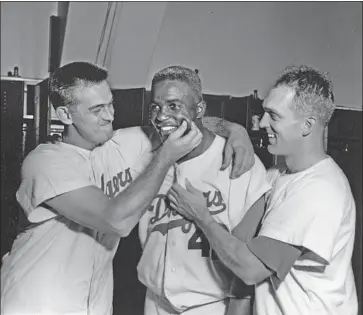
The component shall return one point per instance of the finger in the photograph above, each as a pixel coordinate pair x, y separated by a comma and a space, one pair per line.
174, 204
172, 201
172, 198
172, 194
238, 162
227, 156
176, 189
247, 161
173, 207
180, 131
193, 134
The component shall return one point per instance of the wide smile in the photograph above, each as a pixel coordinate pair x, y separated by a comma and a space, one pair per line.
167, 129
271, 138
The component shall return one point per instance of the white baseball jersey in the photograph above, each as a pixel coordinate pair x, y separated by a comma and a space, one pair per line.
313, 209
60, 267
178, 266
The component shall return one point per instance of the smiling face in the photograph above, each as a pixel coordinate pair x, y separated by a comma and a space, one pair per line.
172, 102
283, 126
93, 113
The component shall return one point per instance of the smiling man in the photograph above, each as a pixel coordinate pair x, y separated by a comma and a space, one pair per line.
300, 261
62, 262
181, 272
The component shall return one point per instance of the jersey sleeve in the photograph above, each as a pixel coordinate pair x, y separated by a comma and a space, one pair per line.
250, 187
47, 175
309, 216
275, 255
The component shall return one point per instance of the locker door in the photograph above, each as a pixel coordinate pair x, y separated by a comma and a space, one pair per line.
12, 100
235, 110
215, 104
129, 105
42, 113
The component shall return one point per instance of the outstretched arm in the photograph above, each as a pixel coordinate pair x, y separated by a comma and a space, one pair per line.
90, 207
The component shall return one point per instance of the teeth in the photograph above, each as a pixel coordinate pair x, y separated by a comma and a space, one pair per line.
167, 128
271, 135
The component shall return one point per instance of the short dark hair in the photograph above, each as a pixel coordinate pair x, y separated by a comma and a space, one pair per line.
313, 91
180, 73
65, 79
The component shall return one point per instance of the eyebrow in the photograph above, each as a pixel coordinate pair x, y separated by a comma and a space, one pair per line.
174, 100
100, 105
271, 111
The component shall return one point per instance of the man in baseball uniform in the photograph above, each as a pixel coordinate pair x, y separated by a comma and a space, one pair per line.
180, 270
300, 262
78, 204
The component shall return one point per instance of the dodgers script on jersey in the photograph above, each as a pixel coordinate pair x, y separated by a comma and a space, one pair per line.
178, 266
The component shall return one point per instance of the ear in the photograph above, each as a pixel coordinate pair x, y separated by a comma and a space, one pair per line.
201, 107
64, 115
308, 125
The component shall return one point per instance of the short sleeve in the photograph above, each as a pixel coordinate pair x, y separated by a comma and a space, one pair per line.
276, 255
252, 185
46, 175
309, 216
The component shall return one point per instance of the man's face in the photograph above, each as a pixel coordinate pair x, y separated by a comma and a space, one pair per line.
172, 102
282, 125
93, 114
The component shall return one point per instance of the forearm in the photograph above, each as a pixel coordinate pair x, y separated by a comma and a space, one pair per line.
128, 207
220, 126
234, 253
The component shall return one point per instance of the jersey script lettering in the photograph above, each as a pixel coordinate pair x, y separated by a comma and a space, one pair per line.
112, 187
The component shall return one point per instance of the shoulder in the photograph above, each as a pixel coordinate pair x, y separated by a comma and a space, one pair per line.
321, 191
132, 136
42, 156
325, 178
51, 158
125, 134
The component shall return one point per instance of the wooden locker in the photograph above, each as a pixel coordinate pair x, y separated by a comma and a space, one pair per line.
12, 100
235, 110
215, 104
128, 104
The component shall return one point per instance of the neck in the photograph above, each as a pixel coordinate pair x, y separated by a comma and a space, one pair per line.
207, 140
71, 136
309, 154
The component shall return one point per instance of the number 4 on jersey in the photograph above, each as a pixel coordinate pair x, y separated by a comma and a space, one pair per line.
199, 241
